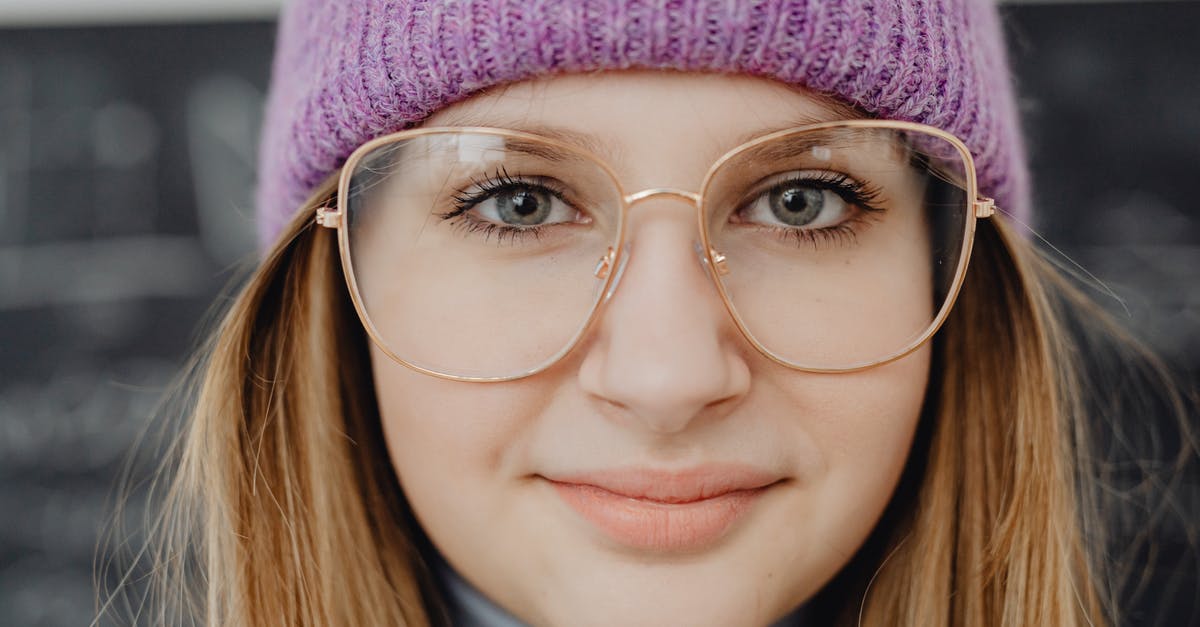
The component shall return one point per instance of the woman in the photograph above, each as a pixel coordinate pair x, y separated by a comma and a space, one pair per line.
611, 312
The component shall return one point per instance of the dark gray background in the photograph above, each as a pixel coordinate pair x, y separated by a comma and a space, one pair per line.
126, 169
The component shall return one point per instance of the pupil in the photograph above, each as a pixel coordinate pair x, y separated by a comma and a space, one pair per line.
796, 206
524, 203
523, 207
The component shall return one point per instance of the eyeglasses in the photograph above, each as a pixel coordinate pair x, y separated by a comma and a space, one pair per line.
483, 254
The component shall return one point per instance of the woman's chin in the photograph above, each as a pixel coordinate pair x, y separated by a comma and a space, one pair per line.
670, 604
700, 592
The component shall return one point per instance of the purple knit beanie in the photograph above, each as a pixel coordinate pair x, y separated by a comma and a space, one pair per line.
346, 71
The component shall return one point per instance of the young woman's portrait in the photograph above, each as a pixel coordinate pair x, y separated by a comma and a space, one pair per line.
616, 312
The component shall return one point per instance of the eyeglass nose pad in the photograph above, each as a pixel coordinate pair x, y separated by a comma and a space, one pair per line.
718, 260
606, 265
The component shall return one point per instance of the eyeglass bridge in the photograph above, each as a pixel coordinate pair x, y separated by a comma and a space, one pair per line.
605, 264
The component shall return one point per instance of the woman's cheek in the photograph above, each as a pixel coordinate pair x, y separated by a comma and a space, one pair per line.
461, 451
453, 439
862, 426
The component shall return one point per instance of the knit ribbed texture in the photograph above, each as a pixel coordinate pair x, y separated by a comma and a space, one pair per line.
349, 70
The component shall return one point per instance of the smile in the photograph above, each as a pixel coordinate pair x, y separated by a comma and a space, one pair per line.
665, 512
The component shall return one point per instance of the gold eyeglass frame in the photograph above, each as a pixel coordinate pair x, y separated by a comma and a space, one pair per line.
337, 217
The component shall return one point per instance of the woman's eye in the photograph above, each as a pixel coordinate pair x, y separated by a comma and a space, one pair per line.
524, 206
798, 205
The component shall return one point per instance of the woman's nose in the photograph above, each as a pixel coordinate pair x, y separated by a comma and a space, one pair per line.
664, 352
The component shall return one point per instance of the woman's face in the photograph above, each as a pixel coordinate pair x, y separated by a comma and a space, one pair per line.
664, 472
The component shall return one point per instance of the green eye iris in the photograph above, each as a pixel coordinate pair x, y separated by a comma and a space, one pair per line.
797, 206
523, 206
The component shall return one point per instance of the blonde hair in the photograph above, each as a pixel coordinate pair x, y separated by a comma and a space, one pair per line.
283, 507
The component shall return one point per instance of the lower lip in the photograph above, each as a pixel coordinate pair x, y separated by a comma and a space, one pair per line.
656, 526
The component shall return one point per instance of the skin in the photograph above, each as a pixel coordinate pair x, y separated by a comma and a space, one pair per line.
662, 380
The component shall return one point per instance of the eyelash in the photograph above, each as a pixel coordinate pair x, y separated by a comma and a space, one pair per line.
483, 189
854, 192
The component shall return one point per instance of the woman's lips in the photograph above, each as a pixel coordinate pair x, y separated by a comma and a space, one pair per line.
665, 511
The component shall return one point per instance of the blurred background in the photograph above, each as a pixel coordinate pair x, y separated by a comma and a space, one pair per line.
127, 143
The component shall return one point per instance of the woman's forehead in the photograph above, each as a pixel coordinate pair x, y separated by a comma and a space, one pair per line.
619, 115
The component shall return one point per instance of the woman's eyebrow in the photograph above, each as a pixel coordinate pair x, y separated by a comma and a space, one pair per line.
830, 112
589, 142
827, 143
606, 150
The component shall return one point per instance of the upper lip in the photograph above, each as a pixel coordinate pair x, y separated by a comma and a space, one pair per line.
674, 486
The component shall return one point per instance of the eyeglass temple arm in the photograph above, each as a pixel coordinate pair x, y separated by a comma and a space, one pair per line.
329, 217
984, 207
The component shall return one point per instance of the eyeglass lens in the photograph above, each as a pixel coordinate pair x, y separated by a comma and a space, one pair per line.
478, 254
